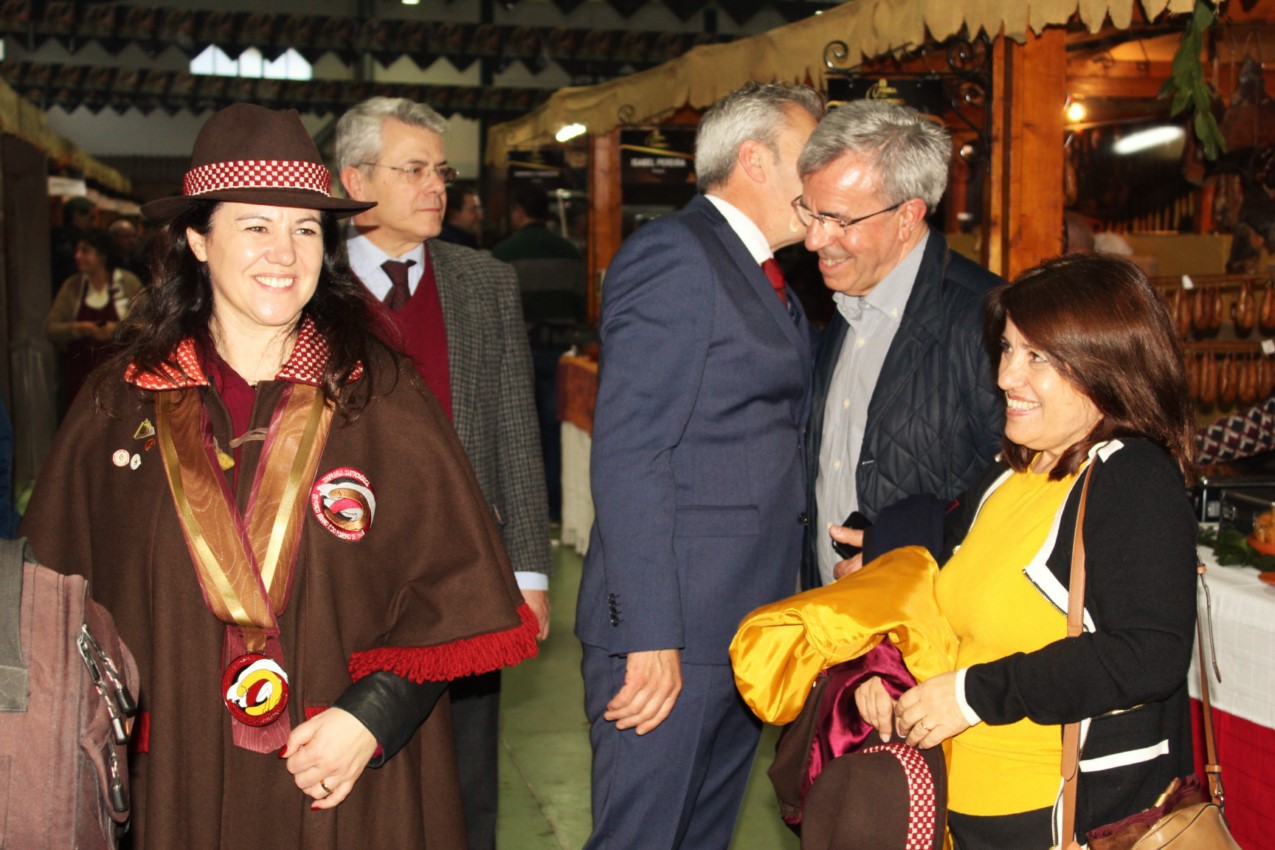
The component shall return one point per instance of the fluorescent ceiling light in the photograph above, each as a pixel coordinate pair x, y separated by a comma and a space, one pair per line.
1150, 138
570, 131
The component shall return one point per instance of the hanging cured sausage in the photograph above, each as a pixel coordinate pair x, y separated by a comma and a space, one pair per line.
1182, 312
1228, 381
1248, 381
1266, 314
1244, 314
1208, 381
1215, 311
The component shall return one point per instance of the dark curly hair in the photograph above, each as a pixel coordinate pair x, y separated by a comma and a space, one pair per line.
1109, 334
179, 304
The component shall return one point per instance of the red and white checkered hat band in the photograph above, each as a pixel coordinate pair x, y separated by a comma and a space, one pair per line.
258, 174
922, 798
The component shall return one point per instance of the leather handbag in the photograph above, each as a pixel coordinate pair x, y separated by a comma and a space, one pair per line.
1185, 817
66, 698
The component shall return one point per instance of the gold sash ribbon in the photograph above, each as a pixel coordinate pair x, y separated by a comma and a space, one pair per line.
244, 563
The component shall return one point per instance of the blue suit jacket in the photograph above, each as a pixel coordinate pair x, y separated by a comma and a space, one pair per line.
697, 469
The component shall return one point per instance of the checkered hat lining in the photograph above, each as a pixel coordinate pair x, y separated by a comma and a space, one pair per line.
922, 798
258, 174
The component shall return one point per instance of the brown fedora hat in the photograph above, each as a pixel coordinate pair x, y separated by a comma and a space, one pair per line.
255, 155
883, 796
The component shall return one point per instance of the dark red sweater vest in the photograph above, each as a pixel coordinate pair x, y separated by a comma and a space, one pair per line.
424, 336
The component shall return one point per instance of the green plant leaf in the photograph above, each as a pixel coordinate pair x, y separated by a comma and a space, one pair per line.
1231, 549
1181, 100
1186, 81
1203, 16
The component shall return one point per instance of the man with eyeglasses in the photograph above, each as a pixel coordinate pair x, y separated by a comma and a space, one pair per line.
457, 314
698, 480
905, 404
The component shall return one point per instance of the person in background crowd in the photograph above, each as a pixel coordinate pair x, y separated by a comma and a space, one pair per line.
254, 450
532, 239
1093, 382
87, 309
697, 479
552, 280
77, 216
463, 217
902, 402
456, 311
126, 249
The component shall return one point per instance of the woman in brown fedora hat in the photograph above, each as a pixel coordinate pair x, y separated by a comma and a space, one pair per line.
282, 522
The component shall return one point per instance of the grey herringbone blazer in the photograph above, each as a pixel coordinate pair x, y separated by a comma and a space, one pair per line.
492, 395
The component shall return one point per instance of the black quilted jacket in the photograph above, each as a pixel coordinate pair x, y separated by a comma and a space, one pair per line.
936, 418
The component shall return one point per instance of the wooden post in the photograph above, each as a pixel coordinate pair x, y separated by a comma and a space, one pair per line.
1025, 191
957, 196
1204, 198
605, 212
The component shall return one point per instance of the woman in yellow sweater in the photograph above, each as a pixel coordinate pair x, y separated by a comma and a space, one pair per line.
1094, 386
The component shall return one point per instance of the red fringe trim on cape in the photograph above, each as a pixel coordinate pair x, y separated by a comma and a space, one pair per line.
465, 657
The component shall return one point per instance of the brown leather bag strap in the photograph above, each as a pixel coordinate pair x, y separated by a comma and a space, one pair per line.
1071, 731
1212, 767
1075, 625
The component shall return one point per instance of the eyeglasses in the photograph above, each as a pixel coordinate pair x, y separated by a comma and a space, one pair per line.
415, 174
807, 216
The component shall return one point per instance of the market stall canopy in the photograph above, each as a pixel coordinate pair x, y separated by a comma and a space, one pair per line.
795, 53
22, 118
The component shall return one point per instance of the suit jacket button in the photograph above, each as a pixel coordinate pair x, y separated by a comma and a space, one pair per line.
803, 518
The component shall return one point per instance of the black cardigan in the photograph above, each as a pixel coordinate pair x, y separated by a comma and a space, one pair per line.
1127, 674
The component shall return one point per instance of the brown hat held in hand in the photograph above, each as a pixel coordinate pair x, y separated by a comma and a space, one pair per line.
881, 796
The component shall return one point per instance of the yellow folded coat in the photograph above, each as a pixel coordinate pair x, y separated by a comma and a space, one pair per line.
780, 649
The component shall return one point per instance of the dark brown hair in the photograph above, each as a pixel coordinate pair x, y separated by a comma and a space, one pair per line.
1108, 333
100, 242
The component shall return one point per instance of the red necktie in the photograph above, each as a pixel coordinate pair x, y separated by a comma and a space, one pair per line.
776, 278
400, 293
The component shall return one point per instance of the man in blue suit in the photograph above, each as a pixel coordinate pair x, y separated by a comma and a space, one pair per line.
698, 479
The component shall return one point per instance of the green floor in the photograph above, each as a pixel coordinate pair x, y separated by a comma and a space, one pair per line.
544, 768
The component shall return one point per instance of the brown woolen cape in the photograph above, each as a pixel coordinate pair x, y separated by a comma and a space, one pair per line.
428, 591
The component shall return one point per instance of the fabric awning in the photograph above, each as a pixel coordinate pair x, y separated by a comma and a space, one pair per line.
794, 53
22, 118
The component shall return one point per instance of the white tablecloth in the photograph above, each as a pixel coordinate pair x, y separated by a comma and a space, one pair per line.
577, 500
1243, 716
1244, 632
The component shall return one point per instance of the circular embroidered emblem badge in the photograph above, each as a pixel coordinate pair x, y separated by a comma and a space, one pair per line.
344, 503
255, 689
